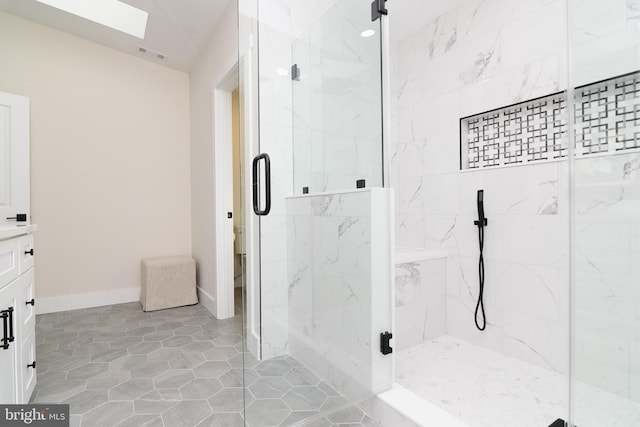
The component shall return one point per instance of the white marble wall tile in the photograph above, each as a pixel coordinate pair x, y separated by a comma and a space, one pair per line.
536, 240
591, 320
531, 80
442, 152
593, 19
530, 190
460, 324
524, 40
410, 230
439, 194
602, 361
466, 239
612, 55
420, 302
536, 340
608, 184
531, 290
410, 86
408, 158
435, 115
331, 295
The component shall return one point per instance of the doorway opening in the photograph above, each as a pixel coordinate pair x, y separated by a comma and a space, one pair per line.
239, 228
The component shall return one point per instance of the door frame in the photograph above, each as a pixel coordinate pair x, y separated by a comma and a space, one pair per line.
223, 189
221, 93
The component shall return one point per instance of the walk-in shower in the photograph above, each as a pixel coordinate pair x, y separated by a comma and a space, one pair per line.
391, 141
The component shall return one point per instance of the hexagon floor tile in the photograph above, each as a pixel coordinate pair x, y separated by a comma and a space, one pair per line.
117, 365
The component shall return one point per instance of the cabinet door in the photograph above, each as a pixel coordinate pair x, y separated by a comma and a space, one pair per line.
8, 261
8, 357
28, 368
26, 314
14, 157
26, 252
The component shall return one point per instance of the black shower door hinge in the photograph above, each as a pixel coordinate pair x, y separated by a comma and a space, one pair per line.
378, 8
559, 423
295, 72
385, 347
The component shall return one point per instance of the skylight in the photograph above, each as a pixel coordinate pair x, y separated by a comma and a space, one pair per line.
111, 13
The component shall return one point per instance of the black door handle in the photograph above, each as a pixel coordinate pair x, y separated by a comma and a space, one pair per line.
31, 302
29, 252
267, 185
32, 365
11, 337
5, 323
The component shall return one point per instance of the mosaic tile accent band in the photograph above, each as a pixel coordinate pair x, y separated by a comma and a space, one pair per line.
607, 120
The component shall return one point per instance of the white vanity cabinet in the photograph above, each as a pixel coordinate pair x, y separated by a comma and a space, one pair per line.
17, 315
17, 286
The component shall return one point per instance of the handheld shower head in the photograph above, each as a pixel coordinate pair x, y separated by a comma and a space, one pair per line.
482, 221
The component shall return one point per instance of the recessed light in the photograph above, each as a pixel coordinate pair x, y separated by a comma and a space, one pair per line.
367, 33
111, 13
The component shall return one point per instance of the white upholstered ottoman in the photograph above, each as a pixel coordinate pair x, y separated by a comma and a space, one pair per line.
168, 282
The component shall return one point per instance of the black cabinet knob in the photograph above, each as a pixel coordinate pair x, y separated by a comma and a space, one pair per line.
29, 252
31, 302
32, 365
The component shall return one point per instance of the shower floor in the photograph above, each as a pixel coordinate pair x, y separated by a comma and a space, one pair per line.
485, 388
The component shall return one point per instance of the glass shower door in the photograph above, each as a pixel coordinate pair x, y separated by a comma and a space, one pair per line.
319, 280
606, 215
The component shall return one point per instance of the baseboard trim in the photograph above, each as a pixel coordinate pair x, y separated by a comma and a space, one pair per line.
207, 301
86, 300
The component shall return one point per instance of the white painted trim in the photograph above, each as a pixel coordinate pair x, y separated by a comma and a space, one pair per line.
223, 194
223, 188
207, 301
87, 300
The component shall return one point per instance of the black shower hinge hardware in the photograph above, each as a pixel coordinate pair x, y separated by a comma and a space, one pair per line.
295, 72
385, 348
19, 217
378, 8
560, 423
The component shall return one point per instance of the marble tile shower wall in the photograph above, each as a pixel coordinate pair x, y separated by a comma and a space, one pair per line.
421, 302
339, 275
607, 295
606, 37
480, 56
336, 106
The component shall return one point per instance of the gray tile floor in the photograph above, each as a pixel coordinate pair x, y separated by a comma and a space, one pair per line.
119, 366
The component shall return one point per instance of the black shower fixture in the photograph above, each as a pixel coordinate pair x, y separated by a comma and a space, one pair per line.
481, 222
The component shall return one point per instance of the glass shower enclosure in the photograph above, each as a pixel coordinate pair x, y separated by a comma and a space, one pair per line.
319, 274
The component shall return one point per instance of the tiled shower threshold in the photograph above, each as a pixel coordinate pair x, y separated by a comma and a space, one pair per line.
485, 388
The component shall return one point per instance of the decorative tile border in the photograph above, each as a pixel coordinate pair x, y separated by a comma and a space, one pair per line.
607, 120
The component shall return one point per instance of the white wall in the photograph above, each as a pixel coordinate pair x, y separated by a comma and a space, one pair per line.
212, 66
109, 158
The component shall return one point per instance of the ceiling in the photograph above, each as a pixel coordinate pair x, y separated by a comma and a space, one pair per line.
178, 29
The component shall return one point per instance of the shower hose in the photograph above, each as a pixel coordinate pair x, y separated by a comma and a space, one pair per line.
480, 304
